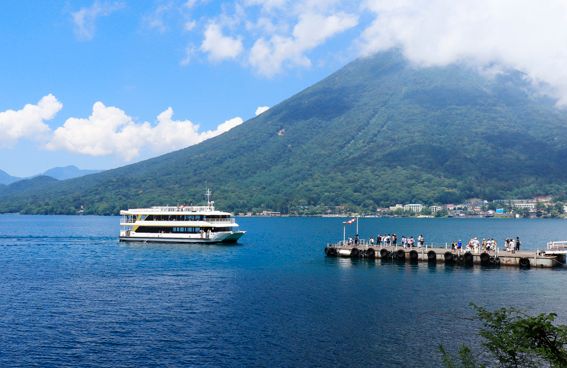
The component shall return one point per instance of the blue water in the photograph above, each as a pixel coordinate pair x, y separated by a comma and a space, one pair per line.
71, 295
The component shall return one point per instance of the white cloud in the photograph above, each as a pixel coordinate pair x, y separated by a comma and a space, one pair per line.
269, 56
190, 51
84, 19
189, 4
110, 131
159, 18
267, 5
189, 25
521, 34
218, 46
261, 109
28, 122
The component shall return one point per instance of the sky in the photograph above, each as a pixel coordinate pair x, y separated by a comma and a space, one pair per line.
104, 83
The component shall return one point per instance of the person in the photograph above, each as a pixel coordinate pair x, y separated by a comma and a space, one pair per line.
379, 240
420, 240
518, 243
453, 246
356, 239
411, 242
404, 241
394, 240
459, 245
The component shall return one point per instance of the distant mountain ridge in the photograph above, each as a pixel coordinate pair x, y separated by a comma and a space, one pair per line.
6, 178
59, 173
68, 172
377, 132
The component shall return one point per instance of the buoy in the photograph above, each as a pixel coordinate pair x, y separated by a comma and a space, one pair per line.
468, 259
449, 257
485, 259
401, 254
524, 263
354, 253
413, 256
384, 253
370, 253
431, 256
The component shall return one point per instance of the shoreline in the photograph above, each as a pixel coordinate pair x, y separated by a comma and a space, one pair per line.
342, 216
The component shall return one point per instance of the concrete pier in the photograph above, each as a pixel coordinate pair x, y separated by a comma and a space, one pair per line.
437, 254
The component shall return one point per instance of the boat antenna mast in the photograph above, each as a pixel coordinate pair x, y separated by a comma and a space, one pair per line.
209, 202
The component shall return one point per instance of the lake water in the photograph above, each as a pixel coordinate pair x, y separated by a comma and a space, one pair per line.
71, 295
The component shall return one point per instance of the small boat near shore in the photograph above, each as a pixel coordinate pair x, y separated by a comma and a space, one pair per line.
179, 224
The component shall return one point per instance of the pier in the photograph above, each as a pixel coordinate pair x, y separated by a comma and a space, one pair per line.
434, 254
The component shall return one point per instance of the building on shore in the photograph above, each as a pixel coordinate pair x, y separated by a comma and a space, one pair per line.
413, 207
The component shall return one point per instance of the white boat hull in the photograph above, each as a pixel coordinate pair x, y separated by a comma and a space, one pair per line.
225, 237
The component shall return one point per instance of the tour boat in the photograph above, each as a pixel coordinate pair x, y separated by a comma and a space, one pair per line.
179, 224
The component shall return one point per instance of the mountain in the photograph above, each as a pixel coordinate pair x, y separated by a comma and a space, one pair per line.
68, 172
377, 132
36, 184
59, 173
6, 178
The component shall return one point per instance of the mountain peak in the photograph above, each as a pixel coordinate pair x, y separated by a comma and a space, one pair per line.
377, 132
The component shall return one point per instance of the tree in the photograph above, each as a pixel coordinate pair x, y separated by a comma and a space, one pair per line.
516, 339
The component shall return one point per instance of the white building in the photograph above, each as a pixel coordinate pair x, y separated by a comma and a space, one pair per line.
414, 207
525, 205
435, 209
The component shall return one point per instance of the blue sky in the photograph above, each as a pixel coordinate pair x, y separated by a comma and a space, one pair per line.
141, 57
104, 83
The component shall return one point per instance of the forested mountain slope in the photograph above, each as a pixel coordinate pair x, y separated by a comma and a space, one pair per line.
377, 132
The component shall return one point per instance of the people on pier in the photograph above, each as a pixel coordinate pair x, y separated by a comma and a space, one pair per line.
511, 244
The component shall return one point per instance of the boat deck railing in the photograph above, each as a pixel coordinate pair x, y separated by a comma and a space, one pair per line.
183, 208
133, 220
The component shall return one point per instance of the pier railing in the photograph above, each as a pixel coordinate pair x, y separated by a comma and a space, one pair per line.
367, 243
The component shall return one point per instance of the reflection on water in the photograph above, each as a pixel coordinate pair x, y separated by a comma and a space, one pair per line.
72, 295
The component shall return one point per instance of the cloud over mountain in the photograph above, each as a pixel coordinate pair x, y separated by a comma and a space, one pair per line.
525, 35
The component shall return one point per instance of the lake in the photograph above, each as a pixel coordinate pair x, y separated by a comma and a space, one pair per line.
71, 295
